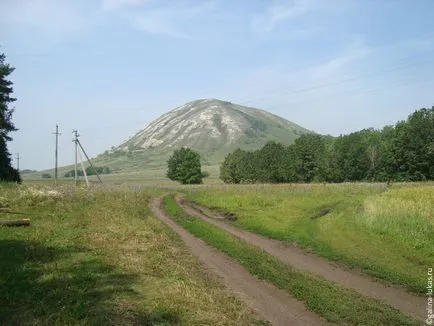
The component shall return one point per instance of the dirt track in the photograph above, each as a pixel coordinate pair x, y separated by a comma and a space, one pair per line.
396, 297
268, 301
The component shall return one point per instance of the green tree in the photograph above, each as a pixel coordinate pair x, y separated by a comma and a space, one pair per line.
232, 168
412, 145
98, 169
271, 162
328, 169
71, 173
184, 166
290, 165
404, 152
387, 163
310, 150
7, 172
358, 155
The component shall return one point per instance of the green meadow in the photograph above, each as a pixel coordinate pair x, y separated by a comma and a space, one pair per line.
386, 232
99, 257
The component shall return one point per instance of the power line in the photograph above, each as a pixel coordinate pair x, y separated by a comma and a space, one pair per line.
359, 91
377, 73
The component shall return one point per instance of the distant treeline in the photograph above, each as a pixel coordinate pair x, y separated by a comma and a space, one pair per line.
403, 152
89, 171
27, 171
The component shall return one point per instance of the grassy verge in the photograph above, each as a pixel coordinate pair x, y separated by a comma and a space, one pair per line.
388, 234
333, 302
98, 257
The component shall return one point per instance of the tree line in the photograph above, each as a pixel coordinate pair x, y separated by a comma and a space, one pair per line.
403, 152
89, 171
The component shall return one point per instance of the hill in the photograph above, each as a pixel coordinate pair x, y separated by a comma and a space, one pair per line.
212, 127
209, 126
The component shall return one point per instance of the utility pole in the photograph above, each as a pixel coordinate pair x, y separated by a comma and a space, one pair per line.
56, 150
83, 168
90, 163
18, 161
79, 147
75, 140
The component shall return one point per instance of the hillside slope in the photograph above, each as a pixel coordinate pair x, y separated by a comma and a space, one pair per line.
209, 126
212, 127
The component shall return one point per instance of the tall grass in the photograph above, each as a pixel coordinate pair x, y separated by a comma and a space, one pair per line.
405, 214
388, 234
336, 304
98, 257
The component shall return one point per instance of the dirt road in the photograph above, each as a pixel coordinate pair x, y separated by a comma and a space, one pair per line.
396, 297
268, 301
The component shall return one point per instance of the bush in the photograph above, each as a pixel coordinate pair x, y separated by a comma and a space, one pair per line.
89, 171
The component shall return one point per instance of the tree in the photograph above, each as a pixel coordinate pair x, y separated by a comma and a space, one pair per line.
232, 169
71, 173
310, 150
290, 165
184, 166
412, 146
89, 171
404, 152
97, 169
387, 162
271, 162
7, 172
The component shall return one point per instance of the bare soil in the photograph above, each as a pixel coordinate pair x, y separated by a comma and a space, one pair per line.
394, 296
268, 301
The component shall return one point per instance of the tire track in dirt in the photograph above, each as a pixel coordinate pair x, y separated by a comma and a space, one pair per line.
396, 297
268, 301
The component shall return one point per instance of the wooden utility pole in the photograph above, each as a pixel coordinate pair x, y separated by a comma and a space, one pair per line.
56, 151
90, 163
83, 168
78, 147
75, 140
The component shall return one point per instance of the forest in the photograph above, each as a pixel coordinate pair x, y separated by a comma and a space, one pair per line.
402, 152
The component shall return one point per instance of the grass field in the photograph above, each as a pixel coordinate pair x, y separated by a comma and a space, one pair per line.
146, 176
335, 303
149, 178
98, 257
388, 233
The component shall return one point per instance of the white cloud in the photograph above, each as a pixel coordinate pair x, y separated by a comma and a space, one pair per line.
43, 23
168, 21
342, 93
158, 22
311, 95
281, 11
48, 16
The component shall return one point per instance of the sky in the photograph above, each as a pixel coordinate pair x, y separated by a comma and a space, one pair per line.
109, 67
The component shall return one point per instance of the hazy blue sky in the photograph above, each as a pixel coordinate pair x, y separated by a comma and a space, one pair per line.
108, 67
